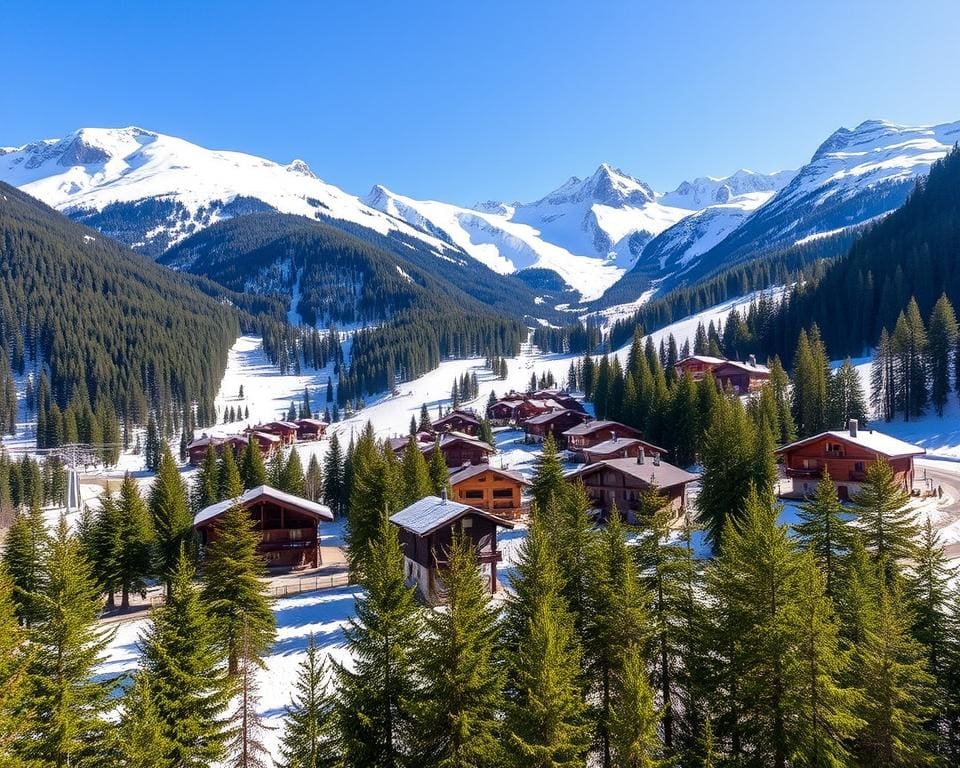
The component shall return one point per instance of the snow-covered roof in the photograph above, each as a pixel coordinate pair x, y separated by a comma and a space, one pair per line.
452, 437
465, 415
312, 422
748, 367
546, 418
431, 512
707, 359
590, 427
612, 446
663, 475
260, 492
870, 439
475, 469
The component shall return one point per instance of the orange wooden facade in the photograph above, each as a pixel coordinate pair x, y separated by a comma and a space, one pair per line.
495, 491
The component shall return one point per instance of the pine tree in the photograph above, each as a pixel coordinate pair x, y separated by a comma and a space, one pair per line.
13, 678
292, 480
135, 538
425, 424
313, 480
232, 591
172, 521
780, 388
823, 531
635, 742
486, 432
462, 695
882, 384
24, 552
896, 690
252, 469
333, 475
153, 450
881, 507
439, 473
942, 341
309, 735
415, 473
275, 468
245, 747
141, 742
183, 671
206, 485
548, 481
546, 718
847, 400
67, 702
231, 484
374, 698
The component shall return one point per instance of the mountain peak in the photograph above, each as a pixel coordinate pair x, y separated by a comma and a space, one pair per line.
607, 185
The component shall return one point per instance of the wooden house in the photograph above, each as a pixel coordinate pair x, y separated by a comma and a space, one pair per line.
285, 430
697, 366
497, 491
288, 525
267, 443
504, 411
742, 378
310, 429
459, 449
845, 454
623, 481
426, 532
554, 423
463, 421
620, 448
591, 433
197, 449
560, 398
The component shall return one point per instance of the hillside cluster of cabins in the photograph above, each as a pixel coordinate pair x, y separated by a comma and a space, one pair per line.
270, 437
618, 467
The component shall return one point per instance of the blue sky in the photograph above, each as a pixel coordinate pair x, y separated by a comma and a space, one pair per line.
473, 101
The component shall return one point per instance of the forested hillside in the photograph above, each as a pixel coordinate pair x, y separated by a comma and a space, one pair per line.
111, 330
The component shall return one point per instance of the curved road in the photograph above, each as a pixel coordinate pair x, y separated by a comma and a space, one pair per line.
945, 474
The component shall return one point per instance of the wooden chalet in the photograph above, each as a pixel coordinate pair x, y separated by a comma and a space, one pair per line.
561, 398
426, 532
197, 450
463, 421
310, 429
497, 491
504, 411
623, 481
288, 525
555, 423
285, 430
742, 378
459, 449
620, 448
845, 454
591, 433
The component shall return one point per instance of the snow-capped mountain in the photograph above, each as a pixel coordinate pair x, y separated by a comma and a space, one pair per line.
150, 190
742, 185
854, 176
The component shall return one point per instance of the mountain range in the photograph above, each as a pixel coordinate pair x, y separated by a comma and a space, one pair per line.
590, 235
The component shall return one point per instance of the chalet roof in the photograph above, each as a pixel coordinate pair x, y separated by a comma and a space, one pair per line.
871, 440
453, 437
205, 441
265, 435
706, 359
611, 446
663, 475
247, 498
431, 512
590, 427
747, 367
465, 415
546, 418
280, 424
311, 422
477, 469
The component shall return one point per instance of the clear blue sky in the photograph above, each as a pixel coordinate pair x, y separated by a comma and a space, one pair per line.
472, 101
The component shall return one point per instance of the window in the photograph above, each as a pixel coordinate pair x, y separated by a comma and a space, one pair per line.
858, 466
294, 534
466, 522
473, 494
503, 493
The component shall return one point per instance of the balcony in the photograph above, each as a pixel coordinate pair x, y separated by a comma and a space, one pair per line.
804, 472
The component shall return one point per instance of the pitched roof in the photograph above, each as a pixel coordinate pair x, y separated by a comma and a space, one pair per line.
871, 440
590, 427
431, 512
708, 359
311, 422
748, 367
264, 491
546, 418
452, 437
476, 469
611, 446
664, 475
465, 415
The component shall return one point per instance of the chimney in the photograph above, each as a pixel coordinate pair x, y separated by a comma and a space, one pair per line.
640, 456
443, 495
656, 458
613, 436
852, 425
752, 361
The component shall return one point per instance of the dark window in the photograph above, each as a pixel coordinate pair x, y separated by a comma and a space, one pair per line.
503, 493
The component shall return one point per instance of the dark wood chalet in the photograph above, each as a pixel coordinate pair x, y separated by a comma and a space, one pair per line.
197, 450
426, 531
310, 429
555, 423
288, 525
623, 481
465, 422
285, 430
497, 491
740, 377
845, 454
591, 433
620, 448
561, 398
458, 449
697, 366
